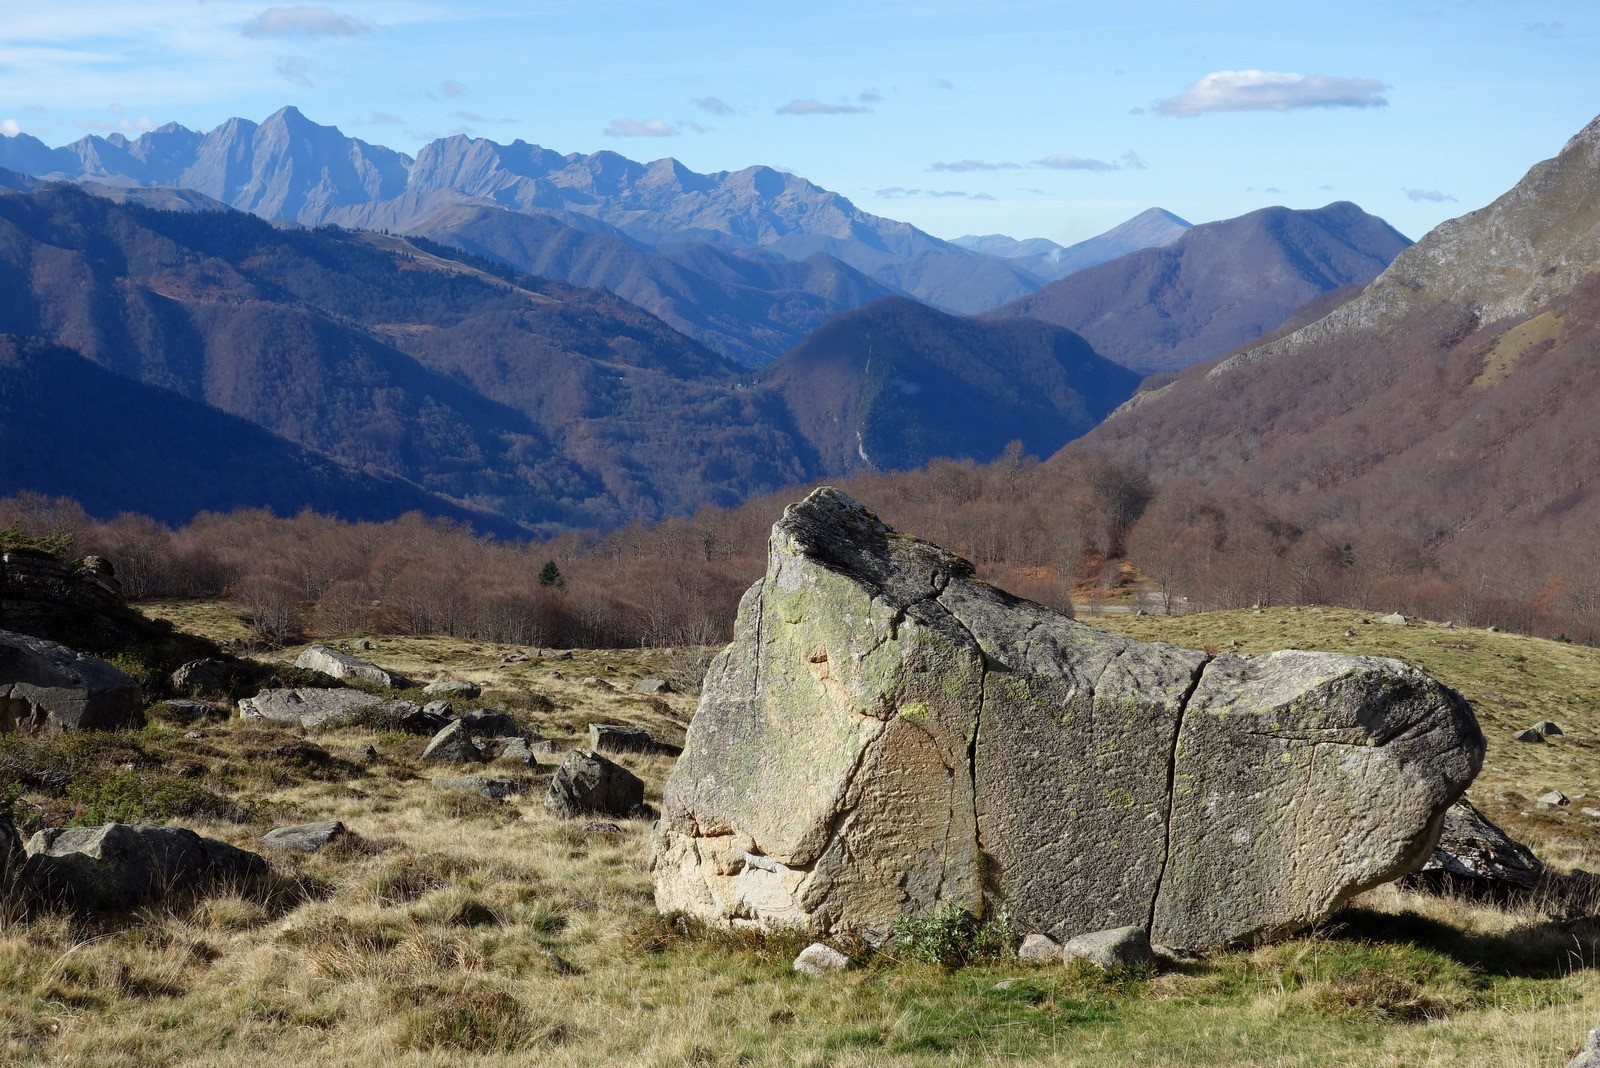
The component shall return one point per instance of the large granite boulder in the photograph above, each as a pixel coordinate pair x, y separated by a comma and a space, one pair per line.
344, 666
587, 784
888, 736
45, 687
118, 866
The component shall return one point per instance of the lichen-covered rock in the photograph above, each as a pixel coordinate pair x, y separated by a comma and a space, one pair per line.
118, 866
452, 688
620, 738
304, 837
482, 785
818, 959
587, 784
309, 707
202, 676
344, 666
887, 736
46, 687
453, 743
1038, 947
1122, 947
1477, 858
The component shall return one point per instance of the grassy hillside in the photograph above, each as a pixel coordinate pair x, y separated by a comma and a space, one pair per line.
450, 931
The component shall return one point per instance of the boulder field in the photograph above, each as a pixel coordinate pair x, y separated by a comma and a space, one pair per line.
888, 736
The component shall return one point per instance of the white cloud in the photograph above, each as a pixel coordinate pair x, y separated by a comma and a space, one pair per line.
962, 166
1432, 196
10, 127
303, 20
817, 107
640, 128
296, 70
1262, 90
896, 192
1129, 161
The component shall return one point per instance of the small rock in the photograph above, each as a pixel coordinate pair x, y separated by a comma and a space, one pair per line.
1039, 947
1589, 1056
516, 751
424, 719
818, 959
1492, 630
453, 743
1528, 735
1553, 799
1176, 954
561, 966
600, 827
452, 688
1548, 729
1348, 633
489, 723
371, 753
1394, 619
1117, 947
493, 789
1004, 984
1592, 813
594, 683
193, 711
304, 837
554, 675
1448, 625
652, 684
344, 666
620, 738
545, 745
565, 654
192, 735
441, 709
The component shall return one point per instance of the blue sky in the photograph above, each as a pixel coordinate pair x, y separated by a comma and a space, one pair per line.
1052, 119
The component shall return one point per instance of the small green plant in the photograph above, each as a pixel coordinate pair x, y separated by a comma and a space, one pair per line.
953, 937
57, 545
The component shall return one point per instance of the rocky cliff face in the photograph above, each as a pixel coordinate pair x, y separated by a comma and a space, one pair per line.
887, 736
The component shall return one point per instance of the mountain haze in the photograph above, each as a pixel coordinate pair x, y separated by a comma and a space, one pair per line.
1151, 228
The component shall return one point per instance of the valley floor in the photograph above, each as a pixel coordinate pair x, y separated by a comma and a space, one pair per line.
450, 930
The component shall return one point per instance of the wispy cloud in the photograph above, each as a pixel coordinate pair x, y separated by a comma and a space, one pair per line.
1552, 30
117, 120
652, 128
383, 118
1128, 161
296, 70
713, 105
896, 192
817, 107
452, 90
871, 96
944, 83
470, 116
304, 20
1262, 90
1431, 196
962, 166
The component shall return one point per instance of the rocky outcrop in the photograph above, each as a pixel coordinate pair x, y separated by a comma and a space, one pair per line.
887, 736
309, 707
48, 687
118, 866
42, 596
448, 688
351, 668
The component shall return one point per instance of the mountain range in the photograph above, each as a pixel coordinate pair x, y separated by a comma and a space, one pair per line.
1452, 399
1151, 228
1214, 288
482, 389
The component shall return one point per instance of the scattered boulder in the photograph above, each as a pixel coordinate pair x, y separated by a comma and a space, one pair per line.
545, 745
308, 707
595, 683
1548, 729
818, 959
1529, 734
184, 711
303, 837
344, 666
412, 718
1394, 619
587, 784
45, 687
455, 744
620, 738
466, 691
1477, 859
489, 723
202, 676
1039, 947
1120, 947
118, 866
516, 751
599, 827
1553, 799
440, 709
886, 736
651, 684
483, 785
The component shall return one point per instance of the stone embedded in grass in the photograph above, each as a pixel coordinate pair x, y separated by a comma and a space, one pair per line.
599, 827
344, 666
1548, 729
1529, 735
1394, 619
308, 707
1120, 947
516, 751
652, 684
453, 688
818, 959
304, 837
489, 723
203, 676
483, 785
1553, 799
587, 784
453, 743
117, 866
1039, 947
185, 711
620, 738
48, 687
